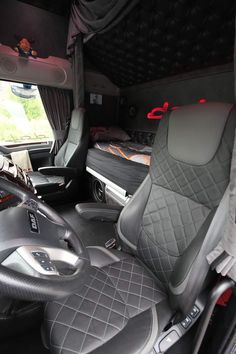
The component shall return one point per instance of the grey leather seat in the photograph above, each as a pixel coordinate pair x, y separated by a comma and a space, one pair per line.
69, 161
130, 296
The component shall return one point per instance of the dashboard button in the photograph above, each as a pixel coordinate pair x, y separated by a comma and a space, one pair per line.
48, 268
186, 322
195, 311
43, 261
38, 254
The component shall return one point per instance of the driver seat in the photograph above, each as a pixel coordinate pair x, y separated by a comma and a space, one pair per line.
130, 296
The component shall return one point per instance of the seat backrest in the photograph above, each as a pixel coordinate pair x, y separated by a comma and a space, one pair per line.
166, 221
73, 151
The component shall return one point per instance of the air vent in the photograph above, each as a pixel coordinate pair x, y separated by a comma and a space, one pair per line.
7, 65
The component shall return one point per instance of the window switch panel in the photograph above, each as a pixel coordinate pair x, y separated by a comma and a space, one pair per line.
186, 322
195, 311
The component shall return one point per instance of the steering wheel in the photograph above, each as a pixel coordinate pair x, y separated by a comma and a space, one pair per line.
41, 257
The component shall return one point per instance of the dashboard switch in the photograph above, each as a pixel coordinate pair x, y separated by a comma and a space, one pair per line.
49, 268
42, 261
38, 254
186, 322
195, 311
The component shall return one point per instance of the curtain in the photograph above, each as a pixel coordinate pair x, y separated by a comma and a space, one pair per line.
57, 105
95, 16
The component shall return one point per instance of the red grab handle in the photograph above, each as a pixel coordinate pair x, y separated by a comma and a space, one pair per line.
157, 112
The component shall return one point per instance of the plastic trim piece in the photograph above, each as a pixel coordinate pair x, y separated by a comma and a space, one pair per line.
216, 292
179, 329
154, 332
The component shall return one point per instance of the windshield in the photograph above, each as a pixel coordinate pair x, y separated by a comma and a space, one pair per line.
22, 116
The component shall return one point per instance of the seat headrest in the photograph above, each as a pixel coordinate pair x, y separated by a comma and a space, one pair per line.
195, 131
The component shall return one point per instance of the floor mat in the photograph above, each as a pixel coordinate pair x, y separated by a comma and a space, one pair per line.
92, 233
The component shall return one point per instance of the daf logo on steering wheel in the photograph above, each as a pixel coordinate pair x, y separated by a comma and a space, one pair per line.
34, 227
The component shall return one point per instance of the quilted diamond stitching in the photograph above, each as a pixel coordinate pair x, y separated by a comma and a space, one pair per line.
97, 297
151, 42
181, 198
87, 319
172, 220
203, 184
161, 263
170, 223
135, 285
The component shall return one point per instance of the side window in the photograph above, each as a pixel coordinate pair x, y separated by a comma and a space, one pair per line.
22, 116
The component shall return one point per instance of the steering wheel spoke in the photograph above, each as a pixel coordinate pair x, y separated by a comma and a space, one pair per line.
37, 261
41, 257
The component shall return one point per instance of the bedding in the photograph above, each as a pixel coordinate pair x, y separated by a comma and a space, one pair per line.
123, 162
108, 134
127, 150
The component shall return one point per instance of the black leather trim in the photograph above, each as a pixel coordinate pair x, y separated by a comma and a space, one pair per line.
184, 264
101, 257
73, 151
134, 338
38, 178
68, 172
116, 310
47, 188
99, 211
130, 219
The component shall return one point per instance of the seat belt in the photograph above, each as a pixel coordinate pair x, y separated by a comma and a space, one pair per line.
223, 257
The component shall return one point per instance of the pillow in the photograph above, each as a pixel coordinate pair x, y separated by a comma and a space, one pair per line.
108, 134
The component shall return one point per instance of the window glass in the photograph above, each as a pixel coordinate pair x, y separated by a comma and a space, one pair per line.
22, 116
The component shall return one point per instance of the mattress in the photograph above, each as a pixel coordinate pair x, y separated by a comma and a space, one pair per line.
125, 173
127, 150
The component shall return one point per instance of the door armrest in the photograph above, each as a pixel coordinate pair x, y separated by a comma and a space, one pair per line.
99, 211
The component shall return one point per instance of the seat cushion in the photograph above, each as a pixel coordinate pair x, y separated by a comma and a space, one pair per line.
38, 179
106, 307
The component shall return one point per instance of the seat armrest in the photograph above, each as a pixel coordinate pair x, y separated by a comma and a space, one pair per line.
47, 188
68, 172
99, 211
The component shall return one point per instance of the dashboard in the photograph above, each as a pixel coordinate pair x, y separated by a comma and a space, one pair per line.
4, 196
14, 173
